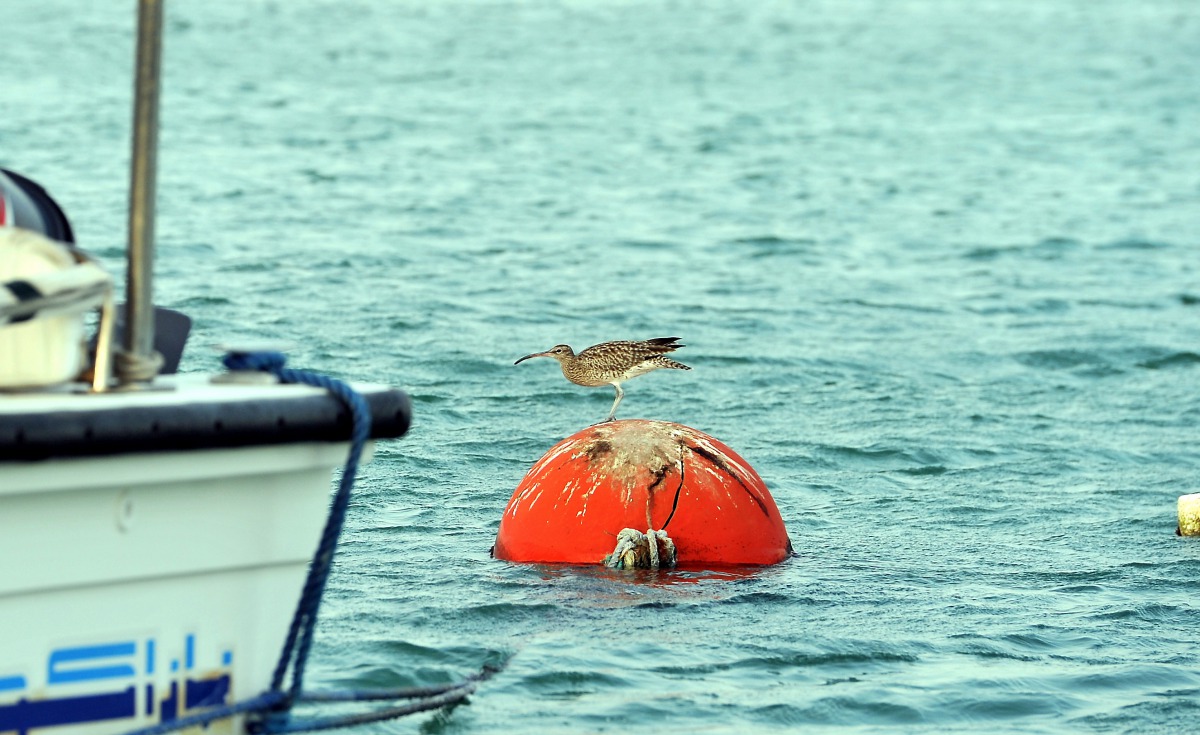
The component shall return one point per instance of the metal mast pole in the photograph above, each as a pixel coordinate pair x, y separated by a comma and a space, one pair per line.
139, 363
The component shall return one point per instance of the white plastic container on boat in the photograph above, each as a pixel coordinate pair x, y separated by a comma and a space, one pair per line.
49, 349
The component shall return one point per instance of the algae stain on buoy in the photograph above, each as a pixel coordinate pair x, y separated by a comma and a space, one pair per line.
573, 503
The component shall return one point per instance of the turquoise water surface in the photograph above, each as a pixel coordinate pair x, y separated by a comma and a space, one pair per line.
937, 265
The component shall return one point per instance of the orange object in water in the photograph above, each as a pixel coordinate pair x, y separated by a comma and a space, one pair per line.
642, 474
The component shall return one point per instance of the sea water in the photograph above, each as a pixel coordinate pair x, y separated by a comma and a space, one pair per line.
937, 267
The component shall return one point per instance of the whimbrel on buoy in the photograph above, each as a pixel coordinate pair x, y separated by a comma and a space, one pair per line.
613, 363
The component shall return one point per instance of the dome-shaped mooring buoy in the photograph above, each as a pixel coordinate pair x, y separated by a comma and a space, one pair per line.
639, 474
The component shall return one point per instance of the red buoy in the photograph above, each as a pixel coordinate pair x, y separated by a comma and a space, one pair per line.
643, 475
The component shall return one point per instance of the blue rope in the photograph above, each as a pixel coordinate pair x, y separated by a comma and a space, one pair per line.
304, 622
265, 702
274, 706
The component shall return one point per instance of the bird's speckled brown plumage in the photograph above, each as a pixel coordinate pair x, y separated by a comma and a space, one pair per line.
611, 363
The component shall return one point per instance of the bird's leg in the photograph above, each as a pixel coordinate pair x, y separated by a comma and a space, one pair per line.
612, 412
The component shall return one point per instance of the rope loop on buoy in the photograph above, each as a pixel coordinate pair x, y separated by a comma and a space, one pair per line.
637, 550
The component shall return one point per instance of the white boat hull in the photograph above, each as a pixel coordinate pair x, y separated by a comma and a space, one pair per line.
144, 577
140, 587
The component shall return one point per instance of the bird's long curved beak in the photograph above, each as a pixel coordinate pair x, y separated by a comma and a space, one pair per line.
536, 354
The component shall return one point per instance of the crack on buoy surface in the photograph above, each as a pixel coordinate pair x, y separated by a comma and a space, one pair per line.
725, 467
678, 490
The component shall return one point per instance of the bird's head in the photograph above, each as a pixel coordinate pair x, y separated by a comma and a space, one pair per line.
558, 352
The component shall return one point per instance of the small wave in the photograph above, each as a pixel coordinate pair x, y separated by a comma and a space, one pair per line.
768, 246
773, 241
1025, 646
1058, 359
893, 306
1085, 363
838, 710
1017, 706
468, 364
416, 665
1135, 244
1050, 248
1075, 589
825, 658
1138, 677
204, 301
379, 677
1036, 306
1075, 577
256, 266
775, 662
755, 598
1174, 360
105, 253
572, 684
1057, 244
916, 462
649, 245
989, 253
1173, 711
1148, 613
404, 325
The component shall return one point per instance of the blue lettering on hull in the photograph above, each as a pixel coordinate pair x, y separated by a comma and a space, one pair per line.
110, 674
26, 715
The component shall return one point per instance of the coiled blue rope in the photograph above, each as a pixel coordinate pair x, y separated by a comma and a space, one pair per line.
270, 712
